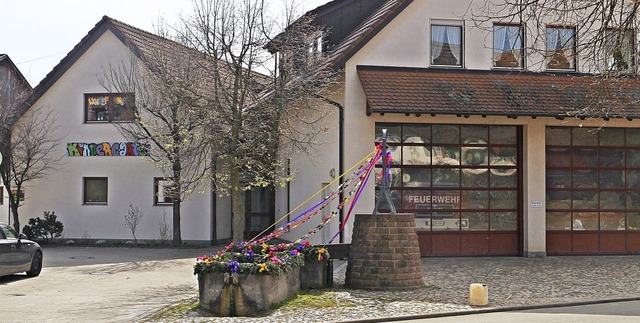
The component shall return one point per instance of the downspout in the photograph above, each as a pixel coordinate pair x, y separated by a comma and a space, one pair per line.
288, 190
340, 156
214, 206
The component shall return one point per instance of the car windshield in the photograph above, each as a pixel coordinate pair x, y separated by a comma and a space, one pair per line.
8, 232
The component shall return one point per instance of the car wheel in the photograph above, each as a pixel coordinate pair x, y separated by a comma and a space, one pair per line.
36, 265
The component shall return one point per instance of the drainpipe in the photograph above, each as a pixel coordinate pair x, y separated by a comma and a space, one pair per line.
214, 206
340, 156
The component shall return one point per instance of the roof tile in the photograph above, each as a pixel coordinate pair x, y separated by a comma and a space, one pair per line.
510, 93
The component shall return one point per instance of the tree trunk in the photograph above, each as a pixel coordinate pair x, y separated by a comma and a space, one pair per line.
238, 221
177, 235
16, 218
13, 207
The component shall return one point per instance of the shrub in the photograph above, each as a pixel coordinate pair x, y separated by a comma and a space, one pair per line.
44, 230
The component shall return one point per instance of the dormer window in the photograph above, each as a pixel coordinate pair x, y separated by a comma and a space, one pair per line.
446, 44
508, 46
300, 54
314, 49
561, 48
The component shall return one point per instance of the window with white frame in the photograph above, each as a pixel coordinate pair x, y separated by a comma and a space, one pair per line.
446, 44
162, 192
561, 48
619, 46
508, 46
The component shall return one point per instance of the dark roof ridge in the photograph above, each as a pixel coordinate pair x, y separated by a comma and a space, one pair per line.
368, 29
329, 6
106, 23
72, 56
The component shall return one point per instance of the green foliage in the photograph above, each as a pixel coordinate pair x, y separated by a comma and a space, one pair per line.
44, 230
315, 300
259, 259
176, 312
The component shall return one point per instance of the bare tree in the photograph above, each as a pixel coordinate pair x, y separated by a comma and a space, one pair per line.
34, 152
252, 118
600, 35
26, 143
132, 219
168, 93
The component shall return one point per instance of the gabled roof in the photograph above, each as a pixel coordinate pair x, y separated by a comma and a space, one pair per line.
14, 85
350, 24
503, 93
340, 17
5, 60
370, 27
142, 43
87, 41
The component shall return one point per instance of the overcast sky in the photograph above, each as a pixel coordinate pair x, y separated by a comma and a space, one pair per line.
37, 34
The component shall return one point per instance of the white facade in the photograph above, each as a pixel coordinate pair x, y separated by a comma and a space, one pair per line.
405, 42
130, 178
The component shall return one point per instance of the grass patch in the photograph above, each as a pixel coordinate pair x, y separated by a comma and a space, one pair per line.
314, 300
179, 310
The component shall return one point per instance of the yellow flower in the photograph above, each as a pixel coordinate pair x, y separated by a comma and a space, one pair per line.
320, 253
265, 247
263, 267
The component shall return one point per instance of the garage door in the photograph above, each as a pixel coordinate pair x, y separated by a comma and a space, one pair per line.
463, 183
593, 191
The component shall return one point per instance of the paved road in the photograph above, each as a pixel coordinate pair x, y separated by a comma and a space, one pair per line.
613, 312
100, 285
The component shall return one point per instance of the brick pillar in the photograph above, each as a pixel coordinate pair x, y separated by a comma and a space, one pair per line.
384, 253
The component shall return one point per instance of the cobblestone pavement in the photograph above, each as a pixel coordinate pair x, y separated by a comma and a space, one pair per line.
511, 282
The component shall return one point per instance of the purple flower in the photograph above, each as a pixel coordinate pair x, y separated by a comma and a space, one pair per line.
294, 252
234, 266
250, 255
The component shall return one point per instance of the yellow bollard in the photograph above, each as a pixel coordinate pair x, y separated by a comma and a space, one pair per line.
478, 295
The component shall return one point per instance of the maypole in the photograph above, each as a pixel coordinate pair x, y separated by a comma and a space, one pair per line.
384, 252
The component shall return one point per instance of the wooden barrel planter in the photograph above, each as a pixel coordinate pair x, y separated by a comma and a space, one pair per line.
245, 294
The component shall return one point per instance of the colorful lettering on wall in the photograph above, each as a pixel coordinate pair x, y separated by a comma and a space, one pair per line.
82, 149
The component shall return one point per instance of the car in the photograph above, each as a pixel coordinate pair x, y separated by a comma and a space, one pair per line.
17, 254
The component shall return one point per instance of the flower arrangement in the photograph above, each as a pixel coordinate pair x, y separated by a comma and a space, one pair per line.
259, 259
310, 252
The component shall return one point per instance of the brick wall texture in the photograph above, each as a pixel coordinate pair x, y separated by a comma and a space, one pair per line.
384, 253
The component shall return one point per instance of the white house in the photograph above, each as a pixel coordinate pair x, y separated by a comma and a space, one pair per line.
101, 172
483, 146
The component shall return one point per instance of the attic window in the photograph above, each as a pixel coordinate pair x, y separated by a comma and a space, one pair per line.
297, 55
314, 49
508, 46
446, 45
561, 48
109, 107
